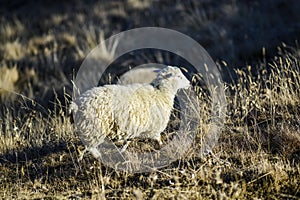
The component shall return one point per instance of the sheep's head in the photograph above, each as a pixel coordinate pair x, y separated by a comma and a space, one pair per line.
172, 78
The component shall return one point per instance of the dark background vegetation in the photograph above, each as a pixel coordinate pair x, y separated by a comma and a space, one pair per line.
54, 32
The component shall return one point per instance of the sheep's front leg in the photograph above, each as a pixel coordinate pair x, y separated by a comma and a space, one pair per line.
125, 146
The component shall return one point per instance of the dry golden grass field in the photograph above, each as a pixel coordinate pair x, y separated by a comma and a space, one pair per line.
255, 45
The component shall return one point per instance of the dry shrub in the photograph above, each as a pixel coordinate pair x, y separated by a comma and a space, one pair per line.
10, 30
13, 50
264, 106
8, 79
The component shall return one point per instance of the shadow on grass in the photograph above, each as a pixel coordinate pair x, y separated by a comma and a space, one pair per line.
50, 163
34, 153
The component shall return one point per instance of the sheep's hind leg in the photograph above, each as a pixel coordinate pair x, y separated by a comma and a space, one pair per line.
93, 150
158, 139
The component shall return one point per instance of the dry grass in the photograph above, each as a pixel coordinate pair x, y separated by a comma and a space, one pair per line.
8, 79
257, 156
259, 150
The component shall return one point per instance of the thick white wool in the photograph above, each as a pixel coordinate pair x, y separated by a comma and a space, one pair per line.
127, 111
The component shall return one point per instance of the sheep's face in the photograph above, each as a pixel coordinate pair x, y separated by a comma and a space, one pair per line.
174, 77
180, 80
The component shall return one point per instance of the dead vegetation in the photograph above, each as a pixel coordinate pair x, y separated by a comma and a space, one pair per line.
257, 156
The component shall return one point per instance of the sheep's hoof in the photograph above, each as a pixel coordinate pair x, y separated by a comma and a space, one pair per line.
80, 158
81, 154
123, 150
125, 147
158, 144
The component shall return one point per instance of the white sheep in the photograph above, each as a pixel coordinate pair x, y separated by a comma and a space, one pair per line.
123, 112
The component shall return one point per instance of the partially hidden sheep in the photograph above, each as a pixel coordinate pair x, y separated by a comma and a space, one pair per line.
138, 75
122, 112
